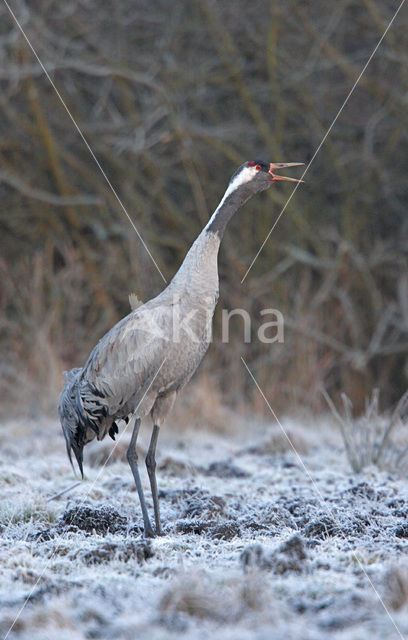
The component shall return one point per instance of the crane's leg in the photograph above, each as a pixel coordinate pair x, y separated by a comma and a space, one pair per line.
132, 459
151, 470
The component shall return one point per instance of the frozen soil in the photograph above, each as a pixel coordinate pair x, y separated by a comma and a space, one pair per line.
255, 546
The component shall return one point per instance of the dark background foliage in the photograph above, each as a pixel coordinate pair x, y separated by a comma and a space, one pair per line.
171, 97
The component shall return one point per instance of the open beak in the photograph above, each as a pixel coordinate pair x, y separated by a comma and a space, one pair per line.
282, 165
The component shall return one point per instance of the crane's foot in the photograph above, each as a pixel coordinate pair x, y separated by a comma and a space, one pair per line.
148, 532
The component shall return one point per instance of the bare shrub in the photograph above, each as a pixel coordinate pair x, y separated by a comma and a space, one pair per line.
373, 438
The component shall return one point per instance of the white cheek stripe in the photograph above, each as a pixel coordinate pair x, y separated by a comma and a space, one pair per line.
244, 176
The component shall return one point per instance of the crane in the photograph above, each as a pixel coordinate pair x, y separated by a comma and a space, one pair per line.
141, 364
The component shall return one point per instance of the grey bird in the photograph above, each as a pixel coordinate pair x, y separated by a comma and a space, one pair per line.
142, 363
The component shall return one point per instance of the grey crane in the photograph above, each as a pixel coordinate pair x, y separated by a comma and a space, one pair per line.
141, 364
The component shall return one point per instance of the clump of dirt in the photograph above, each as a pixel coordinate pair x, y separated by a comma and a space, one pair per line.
275, 515
203, 505
92, 519
44, 535
362, 490
290, 556
321, 528
398, 507
225, 530
215, 530
268, 517
196, 527
203, 513
401, 531
225, 469
126, 550
302, 509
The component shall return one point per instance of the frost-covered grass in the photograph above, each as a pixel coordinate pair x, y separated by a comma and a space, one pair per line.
253, 547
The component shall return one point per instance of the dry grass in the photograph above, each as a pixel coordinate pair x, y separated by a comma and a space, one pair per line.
199, 595
374, 438
28, 510
396, 591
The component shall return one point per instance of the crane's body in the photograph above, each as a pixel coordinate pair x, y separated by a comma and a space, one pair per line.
141, 364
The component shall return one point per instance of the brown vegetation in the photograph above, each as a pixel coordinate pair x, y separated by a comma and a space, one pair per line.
171, 98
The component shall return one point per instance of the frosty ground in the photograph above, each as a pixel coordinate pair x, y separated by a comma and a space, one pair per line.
255, 546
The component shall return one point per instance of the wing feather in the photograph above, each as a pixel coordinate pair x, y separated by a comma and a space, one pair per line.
127, 357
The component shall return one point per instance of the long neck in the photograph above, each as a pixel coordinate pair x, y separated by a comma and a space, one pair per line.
199, 269
231, 202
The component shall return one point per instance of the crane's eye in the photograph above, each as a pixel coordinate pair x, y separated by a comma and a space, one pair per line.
253, 163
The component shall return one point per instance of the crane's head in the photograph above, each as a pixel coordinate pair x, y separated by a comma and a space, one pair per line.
258, 175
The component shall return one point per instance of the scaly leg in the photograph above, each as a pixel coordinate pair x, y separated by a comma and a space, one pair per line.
132, 459
151, 470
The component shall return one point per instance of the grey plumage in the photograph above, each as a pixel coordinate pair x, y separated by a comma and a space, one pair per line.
142, 363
